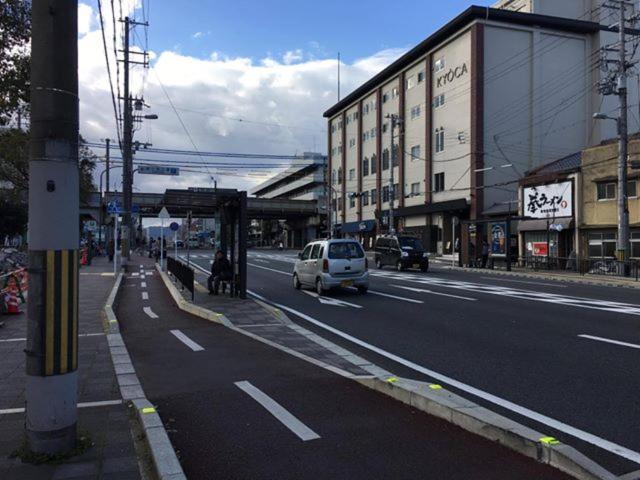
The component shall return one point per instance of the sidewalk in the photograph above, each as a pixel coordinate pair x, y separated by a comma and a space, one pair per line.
106, 424
237, 408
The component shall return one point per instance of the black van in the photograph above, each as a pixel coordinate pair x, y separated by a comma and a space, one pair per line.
402, 252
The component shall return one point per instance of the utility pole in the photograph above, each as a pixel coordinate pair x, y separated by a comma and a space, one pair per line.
623, 143
54, 197
127, 152
395, 121
107, 161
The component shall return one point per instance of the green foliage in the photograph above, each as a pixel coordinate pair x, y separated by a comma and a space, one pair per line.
15, 33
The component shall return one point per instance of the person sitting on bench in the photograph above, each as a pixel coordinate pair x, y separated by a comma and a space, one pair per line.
220, 273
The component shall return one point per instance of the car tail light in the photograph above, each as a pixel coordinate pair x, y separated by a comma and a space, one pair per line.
325, 265
366, 264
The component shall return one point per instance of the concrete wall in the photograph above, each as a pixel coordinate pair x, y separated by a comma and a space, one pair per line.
414, 132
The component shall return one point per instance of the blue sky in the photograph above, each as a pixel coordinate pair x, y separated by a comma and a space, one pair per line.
256, 29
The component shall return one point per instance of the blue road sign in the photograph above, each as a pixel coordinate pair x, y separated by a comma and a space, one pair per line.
174, 226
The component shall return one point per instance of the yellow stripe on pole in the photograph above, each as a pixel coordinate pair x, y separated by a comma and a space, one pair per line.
64, 311
74, 338
49, 331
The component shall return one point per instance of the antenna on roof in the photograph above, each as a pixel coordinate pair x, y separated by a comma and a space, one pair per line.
338, 76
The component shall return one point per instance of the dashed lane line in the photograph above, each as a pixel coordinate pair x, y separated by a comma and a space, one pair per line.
556, 285
143, 284
506, 404
431, 292
274, 408
187, 341
609, 340
149, 312
145, 295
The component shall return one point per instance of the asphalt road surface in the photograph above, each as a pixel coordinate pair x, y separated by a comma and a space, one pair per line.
235, 408
560, 357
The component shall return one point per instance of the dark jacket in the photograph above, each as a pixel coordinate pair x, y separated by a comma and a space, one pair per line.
221, 267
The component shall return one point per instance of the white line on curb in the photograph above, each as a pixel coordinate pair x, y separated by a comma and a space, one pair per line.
149, 312
608, 340
103, 403
187, 341
506, 404
143, 284
145, 295
274, 408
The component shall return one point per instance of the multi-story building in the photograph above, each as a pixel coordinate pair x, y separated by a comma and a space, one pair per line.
492, 94
304, 180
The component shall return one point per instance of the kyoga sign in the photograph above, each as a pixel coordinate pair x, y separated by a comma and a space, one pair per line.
451, 75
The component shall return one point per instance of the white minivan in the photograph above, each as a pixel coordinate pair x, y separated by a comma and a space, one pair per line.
326, 264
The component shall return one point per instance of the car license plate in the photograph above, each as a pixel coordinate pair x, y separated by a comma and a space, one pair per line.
346, 283
416, 265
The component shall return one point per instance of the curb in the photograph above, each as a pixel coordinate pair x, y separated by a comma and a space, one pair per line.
165, 460
557, 278
441, 403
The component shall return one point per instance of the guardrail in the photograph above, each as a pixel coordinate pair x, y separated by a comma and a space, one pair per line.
182, 273
584, 266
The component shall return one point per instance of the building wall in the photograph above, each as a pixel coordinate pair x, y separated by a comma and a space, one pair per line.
414, 131
599, 163
390, 107
353, 145
335, 164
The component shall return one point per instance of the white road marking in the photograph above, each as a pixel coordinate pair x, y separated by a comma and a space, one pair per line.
103, 403
431, 292
505, 291
331, 301
557, 285
143, 284
149, 312
24, 339
270, 269
187, 341
145, 295
608, 340
506, 404
135, 274
388, 295
142, 277
141, 266
274, 408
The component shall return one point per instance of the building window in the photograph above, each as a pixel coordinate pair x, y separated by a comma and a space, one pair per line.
365, 166
385, 127
352, 174
348, 119
334, 175
438, 101
385, 159
438, 182
632, 189
415, 112
373, 104
439, 139
374, 196
355, 115
602, 245
352, 142
635, 244
420, 77
410, 82
365, 199
607, 191
415, 189
394, 92
373, 133
396, 191
339, 204
339, 175
395, 158
385, 194
385, 97
439, 65
352, 200
366, 110
374, 164
415, 152
333, 129
340, 125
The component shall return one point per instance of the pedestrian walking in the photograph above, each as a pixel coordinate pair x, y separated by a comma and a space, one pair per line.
111, 250
485, 253
220, 273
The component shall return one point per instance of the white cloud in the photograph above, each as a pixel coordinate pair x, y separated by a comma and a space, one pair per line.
228, 104
85, 19
197, 35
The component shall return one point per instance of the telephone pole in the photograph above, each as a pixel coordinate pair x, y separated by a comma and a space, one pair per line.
52, 326
107, 162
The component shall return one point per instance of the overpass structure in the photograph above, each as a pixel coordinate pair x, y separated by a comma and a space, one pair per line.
202, 203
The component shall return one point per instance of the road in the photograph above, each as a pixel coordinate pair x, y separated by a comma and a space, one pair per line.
560, 357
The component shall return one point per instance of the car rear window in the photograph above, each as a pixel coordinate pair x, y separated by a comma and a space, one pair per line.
345, 250
410, 243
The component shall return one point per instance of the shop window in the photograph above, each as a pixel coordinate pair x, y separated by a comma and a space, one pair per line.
602, 245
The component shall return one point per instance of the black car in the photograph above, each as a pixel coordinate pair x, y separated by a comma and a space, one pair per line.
402, 252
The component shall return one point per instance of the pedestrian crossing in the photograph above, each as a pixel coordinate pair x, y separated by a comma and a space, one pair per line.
505, 291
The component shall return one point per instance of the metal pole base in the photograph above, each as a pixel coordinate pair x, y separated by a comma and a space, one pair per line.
51, 413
